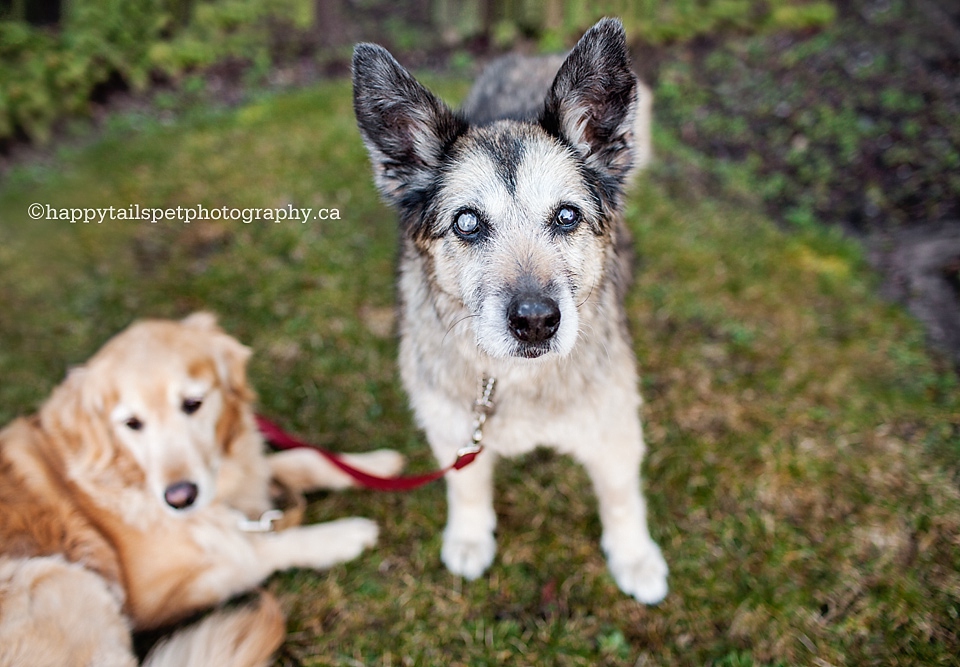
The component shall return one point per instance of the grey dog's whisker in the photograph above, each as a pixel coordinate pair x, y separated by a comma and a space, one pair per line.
587, 298
454, 326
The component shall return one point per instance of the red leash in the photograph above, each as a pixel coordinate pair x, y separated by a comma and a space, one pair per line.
283, 440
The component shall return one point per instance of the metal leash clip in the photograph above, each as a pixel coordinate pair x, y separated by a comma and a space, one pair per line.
262, 525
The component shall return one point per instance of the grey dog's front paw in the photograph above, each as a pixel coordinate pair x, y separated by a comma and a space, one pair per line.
468, 556
641, 573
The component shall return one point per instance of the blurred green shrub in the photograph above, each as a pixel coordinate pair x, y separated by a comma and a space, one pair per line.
662, 21
46, 74
50, 73
243, 30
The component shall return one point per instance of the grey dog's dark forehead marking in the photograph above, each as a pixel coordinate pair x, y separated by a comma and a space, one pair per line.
505, 150
505, 145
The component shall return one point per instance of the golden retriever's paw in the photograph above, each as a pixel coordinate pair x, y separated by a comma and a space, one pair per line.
379, 462
468, 556
338, 541
642, 573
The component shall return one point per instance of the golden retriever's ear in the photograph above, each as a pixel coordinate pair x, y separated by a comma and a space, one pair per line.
231, 357
68, 402
87, 391
75, 420
91, 389
74, 409
201, 320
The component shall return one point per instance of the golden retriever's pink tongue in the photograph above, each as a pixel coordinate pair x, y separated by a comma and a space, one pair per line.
180, 494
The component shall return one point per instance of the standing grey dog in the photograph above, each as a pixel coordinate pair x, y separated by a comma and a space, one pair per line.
514, 263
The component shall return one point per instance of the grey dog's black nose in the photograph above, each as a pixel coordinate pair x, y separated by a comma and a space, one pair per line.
180, 495
533, 318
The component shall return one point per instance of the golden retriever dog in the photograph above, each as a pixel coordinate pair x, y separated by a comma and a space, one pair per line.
126, 503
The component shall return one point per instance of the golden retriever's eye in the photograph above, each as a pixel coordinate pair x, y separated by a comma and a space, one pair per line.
191, 405
133, 424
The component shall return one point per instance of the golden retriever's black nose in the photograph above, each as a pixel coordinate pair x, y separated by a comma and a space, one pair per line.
533, 318
181, 495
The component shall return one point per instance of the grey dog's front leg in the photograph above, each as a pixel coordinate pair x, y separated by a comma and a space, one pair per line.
468, 542
635, 560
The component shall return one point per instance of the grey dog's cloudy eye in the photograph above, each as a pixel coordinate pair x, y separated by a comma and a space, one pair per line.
567, 218
467, 223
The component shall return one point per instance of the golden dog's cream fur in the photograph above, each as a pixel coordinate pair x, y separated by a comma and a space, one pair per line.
96, 536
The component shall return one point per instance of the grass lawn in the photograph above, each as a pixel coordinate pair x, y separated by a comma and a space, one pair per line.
803, 445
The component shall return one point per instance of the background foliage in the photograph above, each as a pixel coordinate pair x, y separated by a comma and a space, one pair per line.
52, 72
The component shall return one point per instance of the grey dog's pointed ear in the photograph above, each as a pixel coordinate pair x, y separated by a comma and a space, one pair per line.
405, 127
592, 103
